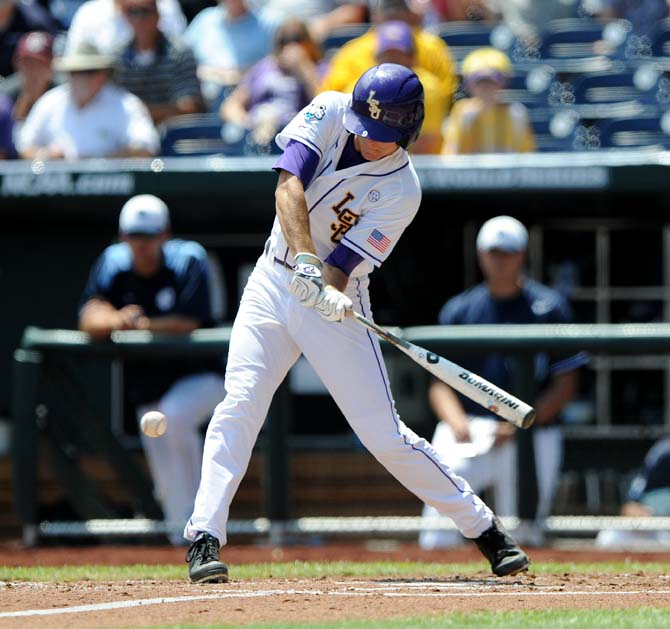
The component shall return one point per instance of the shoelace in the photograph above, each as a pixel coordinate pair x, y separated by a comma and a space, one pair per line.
205, 547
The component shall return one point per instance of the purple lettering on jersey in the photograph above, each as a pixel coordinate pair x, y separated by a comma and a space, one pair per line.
299, 160
344, 259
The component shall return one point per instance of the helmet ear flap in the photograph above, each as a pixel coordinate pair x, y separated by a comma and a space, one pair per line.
412, 120
406, 141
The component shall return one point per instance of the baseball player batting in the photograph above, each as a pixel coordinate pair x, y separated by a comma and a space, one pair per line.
346, 192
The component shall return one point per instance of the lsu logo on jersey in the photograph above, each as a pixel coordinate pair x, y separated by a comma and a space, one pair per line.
346, 219
374, 108
314, 112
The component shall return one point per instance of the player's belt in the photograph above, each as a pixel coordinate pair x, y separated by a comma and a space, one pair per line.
283, 263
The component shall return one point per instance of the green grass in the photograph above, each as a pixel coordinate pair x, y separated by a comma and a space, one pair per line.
632, 618
310, 570
629, 618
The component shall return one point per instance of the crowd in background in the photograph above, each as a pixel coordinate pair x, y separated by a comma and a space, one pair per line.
98, 78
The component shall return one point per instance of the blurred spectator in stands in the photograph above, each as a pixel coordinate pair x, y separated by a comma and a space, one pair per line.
7, 150
526, 20
481, 124
17, 18
159, 70
276, 88
104, 24
33, 74
644, 15
88, 116
648, 495
436, 11
227, 40
474, 442
149, 281
321, 16
357, 55
394, 42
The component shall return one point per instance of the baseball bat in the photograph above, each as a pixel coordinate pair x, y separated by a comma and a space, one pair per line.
471, 385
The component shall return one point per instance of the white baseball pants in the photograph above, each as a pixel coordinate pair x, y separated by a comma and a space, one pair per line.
176, 457
270, 332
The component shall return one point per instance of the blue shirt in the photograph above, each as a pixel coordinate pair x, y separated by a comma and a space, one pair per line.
229, 44
655, 473
180, 287
535, 303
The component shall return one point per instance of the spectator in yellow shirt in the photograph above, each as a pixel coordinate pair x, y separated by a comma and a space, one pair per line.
481, 124
357, 55
395, 44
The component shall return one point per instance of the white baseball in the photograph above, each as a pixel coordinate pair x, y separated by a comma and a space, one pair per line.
153, 424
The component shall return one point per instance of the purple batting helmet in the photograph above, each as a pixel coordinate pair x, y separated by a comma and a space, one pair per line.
386, 105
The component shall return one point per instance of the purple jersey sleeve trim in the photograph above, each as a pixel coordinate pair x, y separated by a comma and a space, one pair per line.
344, 259
299, 160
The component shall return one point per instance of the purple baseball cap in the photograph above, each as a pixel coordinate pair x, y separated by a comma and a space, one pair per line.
395, 35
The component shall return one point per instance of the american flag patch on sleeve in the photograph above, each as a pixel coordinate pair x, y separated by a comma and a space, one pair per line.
379, 241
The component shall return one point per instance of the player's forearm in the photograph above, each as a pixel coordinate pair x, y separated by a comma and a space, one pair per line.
130, 151
562, 390
291, 208
445, 404
99, 320
335, 277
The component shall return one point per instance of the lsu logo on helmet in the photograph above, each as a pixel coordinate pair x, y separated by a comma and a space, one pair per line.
375, 109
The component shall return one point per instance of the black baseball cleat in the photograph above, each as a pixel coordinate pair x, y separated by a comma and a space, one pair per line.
204, 565
503, 553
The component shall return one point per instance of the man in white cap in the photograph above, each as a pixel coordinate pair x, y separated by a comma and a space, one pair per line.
475, 444
87, 116
151, 282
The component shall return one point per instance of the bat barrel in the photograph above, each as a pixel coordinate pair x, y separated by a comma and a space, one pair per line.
528, 418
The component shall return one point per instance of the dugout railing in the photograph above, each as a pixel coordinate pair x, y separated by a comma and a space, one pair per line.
45, 366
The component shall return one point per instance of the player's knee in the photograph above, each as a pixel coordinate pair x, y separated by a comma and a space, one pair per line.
386, 447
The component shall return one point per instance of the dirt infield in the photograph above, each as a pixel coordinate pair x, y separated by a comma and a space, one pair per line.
147, 602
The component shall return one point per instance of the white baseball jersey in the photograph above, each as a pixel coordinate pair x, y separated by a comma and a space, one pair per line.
366, 207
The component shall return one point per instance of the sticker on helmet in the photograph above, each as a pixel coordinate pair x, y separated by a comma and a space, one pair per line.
315, 112
375, 109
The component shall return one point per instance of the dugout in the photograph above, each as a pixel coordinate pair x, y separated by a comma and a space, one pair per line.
598, 224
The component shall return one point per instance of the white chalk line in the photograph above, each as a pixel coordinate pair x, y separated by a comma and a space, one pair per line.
358, 592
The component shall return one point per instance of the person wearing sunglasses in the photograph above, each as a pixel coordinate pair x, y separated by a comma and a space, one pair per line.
275, 89
161, 71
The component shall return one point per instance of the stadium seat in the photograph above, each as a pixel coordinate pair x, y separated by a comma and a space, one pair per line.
192, 134
554, 131
637, 133
530, 88
570, 37
660, 46
618, 87
463, 37
203, 134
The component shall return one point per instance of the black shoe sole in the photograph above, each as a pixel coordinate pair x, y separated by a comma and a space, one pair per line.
215, 575
515, 570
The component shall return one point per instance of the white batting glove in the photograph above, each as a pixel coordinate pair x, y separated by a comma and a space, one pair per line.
306, 283
332, 304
